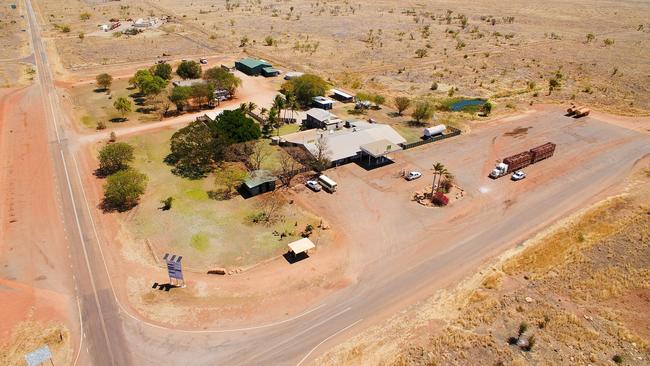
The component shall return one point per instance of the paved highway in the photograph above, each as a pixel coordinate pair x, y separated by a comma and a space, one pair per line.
112, 335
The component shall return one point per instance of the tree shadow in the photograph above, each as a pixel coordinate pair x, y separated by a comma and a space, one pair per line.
100, 90
393, 114
145, 110
118, 119
107, 207
414, 123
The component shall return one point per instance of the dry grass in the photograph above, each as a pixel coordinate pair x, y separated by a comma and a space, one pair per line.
582, 288
29, 335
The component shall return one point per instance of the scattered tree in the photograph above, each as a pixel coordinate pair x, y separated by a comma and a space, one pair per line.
104, 81
180, 96
202, 93
259, 154
590, 37
423, 111
321, 159
84, 16
123, 189
305, 88
222, 79
229, 177
402, 103
189, 70
421, 52
290, 165
162, 70
608, 41
487, 108
115, 157
123, 105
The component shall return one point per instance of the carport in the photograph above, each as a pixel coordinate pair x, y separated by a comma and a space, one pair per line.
299, 249
376, 152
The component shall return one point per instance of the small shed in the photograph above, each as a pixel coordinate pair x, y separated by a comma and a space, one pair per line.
322, 103
270, 71
342, 96
292, 75
301, 246
252, 66
258, 182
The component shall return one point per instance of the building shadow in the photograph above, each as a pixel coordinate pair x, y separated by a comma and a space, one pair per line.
373, 164
293, 258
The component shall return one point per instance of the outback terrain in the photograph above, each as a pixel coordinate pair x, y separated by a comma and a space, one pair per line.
553, 269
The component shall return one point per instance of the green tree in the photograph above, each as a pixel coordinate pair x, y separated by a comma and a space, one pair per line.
423, 111
202, 93
421, 52
189, 70
378, 99
123, 106
139, 77
234, 127
123, 189
104, 81
194, 150
222, 79
152, 86
305, 88
439, 170
115, 157
180, 95
487, 108
401, 103
163, 70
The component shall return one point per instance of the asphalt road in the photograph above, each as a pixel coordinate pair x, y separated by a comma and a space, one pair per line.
113, 336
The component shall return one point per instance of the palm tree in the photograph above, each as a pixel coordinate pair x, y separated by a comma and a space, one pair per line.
252, 106
279, 104
292, 103
438, 171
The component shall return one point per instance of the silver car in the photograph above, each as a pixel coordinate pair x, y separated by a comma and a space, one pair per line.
313, 185
518, 175
413, 175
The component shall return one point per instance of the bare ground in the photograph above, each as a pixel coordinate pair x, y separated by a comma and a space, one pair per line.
580, 287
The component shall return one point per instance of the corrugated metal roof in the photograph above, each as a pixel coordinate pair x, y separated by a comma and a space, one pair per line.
253, 63
320, 114
301, 245
259, 177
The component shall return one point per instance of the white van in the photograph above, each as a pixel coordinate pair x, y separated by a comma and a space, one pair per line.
327, 183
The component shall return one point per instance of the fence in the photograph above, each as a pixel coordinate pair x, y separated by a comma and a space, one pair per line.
454, 132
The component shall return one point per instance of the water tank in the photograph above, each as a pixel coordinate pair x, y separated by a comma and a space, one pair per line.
435, 130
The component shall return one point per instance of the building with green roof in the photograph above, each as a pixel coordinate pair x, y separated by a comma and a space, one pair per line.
259, 181
252, 66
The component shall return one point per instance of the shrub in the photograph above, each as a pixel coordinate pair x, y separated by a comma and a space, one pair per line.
439, 199
446, 185
167, 203
189, 70
618, 359
309, 229
101, 125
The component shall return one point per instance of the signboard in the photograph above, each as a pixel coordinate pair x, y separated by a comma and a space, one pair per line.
39, 356
174, 269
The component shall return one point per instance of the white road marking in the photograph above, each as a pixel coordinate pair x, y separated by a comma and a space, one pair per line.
83, 246
327, 339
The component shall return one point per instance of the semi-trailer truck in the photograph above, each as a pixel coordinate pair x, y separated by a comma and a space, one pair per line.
523, 159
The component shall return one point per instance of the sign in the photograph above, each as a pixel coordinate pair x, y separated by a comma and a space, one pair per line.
39, 356
174, 269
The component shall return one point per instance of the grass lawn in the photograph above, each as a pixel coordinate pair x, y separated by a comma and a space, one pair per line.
207, 232
288, 128
92, 106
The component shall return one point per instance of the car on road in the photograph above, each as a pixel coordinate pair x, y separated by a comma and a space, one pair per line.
413, 175
313, 185
518, 175
204, 61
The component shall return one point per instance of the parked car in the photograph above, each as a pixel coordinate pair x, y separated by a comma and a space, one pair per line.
413, 175
204, 61
313, 185
518, 175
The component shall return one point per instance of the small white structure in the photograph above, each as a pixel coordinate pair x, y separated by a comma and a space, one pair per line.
435, 130
342, 96
104, 27
301, 246
212, 115
292, 75
145, 23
